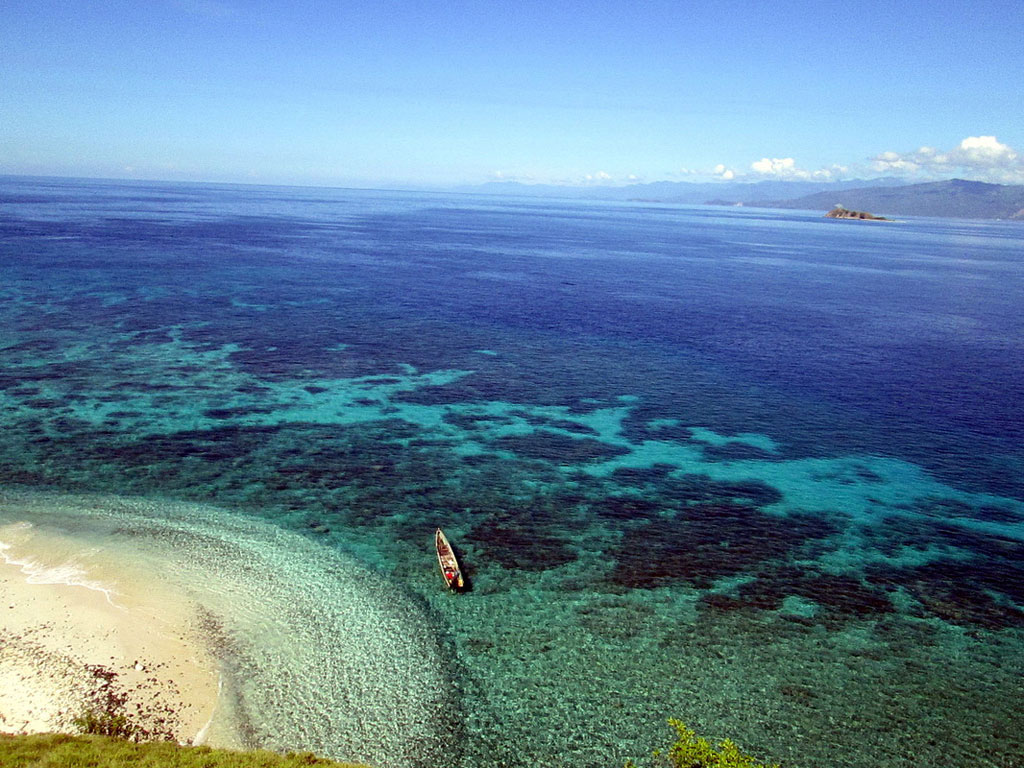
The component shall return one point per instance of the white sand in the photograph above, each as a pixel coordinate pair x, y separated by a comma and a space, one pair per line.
63, 609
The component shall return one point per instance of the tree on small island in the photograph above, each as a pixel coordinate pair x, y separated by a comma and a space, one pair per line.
838, 212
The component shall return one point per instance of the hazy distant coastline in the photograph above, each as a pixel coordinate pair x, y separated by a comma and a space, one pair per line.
947, 199
955, 198
683, 192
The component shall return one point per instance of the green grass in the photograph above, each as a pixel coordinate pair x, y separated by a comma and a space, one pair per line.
58, 750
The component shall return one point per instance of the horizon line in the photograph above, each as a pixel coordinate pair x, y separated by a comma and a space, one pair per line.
464, 187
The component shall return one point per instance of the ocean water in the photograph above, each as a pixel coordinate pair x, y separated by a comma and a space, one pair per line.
756, 470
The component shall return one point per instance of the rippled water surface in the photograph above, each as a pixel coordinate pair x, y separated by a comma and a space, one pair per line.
760, 471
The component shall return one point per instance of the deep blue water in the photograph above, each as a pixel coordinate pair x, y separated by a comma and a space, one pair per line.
758, 470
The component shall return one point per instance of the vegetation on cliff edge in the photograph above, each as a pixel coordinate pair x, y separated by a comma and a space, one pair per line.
691, 751
60, 750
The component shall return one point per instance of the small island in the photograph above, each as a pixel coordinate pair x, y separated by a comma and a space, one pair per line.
843, 213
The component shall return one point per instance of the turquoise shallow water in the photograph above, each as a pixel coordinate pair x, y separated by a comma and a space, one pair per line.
758, 471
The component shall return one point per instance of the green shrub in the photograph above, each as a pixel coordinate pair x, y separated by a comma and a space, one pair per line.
106, 723
691, 751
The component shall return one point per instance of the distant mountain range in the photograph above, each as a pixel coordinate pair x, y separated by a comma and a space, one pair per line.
683, 192
886, 196
955, 199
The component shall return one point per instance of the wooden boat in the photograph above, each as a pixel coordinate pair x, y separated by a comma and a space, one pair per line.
449, 565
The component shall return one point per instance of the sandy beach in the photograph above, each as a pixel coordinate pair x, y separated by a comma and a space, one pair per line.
204, 616
79, 628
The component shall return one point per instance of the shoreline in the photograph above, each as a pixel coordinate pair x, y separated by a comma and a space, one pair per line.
80, 630
317, 652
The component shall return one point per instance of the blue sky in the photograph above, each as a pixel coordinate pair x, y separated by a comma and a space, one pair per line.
398, 93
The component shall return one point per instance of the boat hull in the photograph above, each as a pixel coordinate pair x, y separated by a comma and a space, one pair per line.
450, 569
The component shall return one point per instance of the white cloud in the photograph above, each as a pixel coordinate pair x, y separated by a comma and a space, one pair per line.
786, 168
981, 158
727, 174
775, 166
983, 151
522, 178
594, 179
602, 178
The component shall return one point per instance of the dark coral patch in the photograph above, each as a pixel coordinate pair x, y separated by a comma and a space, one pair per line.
154, 336
34, 346
226, 443
26, 391
563, 424
717, 602
532, 535
571, 426
44, 403
514, 547
252, 389
867, 475
16, 476
988, 561
626, 509
978, 592
639, 477
230, 443
963, 603
702, 489
558, 448
638, 428
844, 595
990, 513
16, 378
710, 541
980, 583
945, 509
477, 459
840, 596
236, 412
474, 421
